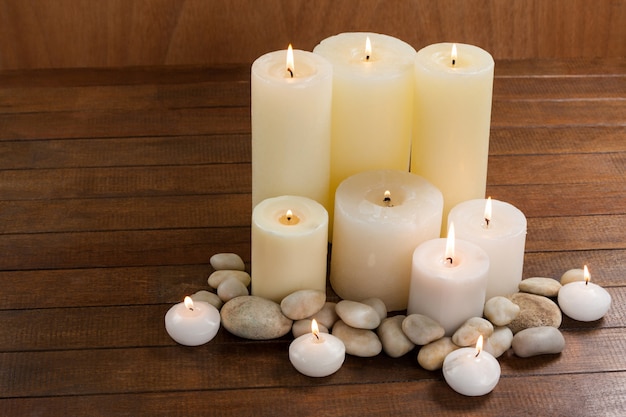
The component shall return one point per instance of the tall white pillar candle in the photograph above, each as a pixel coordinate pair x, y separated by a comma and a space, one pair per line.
452, 120
375, 234
448, 286
291, 126
372, 107
289, 246
499, 228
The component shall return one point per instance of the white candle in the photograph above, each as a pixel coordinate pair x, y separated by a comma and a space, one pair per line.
448, 281
452, 120
291, 126
470, 371
317, 354
289, 246
499, 228
192, 323
375, 234
372, 108
584, 300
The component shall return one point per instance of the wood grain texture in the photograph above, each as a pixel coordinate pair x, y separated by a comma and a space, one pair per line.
117, 185
84, 33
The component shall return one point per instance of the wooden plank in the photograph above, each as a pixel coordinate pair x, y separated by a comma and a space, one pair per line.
559, 87
557, 68
579, 395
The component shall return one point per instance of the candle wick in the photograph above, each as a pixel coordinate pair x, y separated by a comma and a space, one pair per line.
387, 201
367, 57
317, 336
290, 72
449, 259
453, 61
487, 222
477, 353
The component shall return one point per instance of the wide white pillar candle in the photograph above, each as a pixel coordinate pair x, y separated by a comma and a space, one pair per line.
452, 120
372, 107
499, 228
448, 286
289, 246
291, 126
375, 234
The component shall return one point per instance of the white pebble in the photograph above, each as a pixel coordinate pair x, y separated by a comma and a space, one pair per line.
499, 342
573, 275
357, 315
231, 288
227, 261
470, 331
216, 278
303, 303
421, 329
327, 316
432, 355
500, 310
254, 318
538, 341
301, 327
358, 342
209, 297
547, 287
395, 343
378, 305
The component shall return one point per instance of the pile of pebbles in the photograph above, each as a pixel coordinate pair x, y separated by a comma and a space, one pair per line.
528, 321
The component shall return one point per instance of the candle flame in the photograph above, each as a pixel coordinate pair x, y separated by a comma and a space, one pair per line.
387, 198
453, 54
368, 48
290, 63
449, 254
289, 215
189, 303
487, 211
479, 345
315, 329
586, 274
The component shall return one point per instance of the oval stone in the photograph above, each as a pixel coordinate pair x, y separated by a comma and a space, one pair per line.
378, 305
535, 311
209, 297
499, 342
358, 342
547, 287
573, 275
421, 329
303, 303
470, 331
431, 356
231, 288
357, 315
301, 327
327, 316
217, 277
395, 343
256, 318
227, 261
538, 341
500, 310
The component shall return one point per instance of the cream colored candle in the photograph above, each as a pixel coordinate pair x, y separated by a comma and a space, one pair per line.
372, 107
380, 217
452, 120
291, 126
500, 229
289, 246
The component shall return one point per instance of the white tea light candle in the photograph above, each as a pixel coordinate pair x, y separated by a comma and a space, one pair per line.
380, 217
192, 323
452, 119
470, 371
499, 228
584, 300
317, 354
289, 246
448, 281
290, 102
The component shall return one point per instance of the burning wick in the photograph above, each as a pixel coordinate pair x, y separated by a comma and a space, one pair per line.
487, 213
387, 199
368, 48
290, 62
453, 54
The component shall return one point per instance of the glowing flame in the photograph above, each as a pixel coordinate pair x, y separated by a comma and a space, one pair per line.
291, 68
368, 48
453, 54
586, 274
449, 255
479, 345
189, 303
488, 211
315, 329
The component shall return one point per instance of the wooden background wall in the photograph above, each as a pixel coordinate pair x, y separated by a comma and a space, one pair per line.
97, 33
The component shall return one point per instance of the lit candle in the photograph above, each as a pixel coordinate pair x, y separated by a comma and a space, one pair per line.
291, 94
192, 323
584, 300
317, 354
448, 281
372, 103
289, 246
380, 217
453, 90
499, 228
470, 371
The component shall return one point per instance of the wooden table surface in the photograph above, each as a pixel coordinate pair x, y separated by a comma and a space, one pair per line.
117, 185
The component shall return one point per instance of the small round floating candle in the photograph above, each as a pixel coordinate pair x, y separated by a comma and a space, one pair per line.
192, 323
584, 300
317, 354
470, 371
